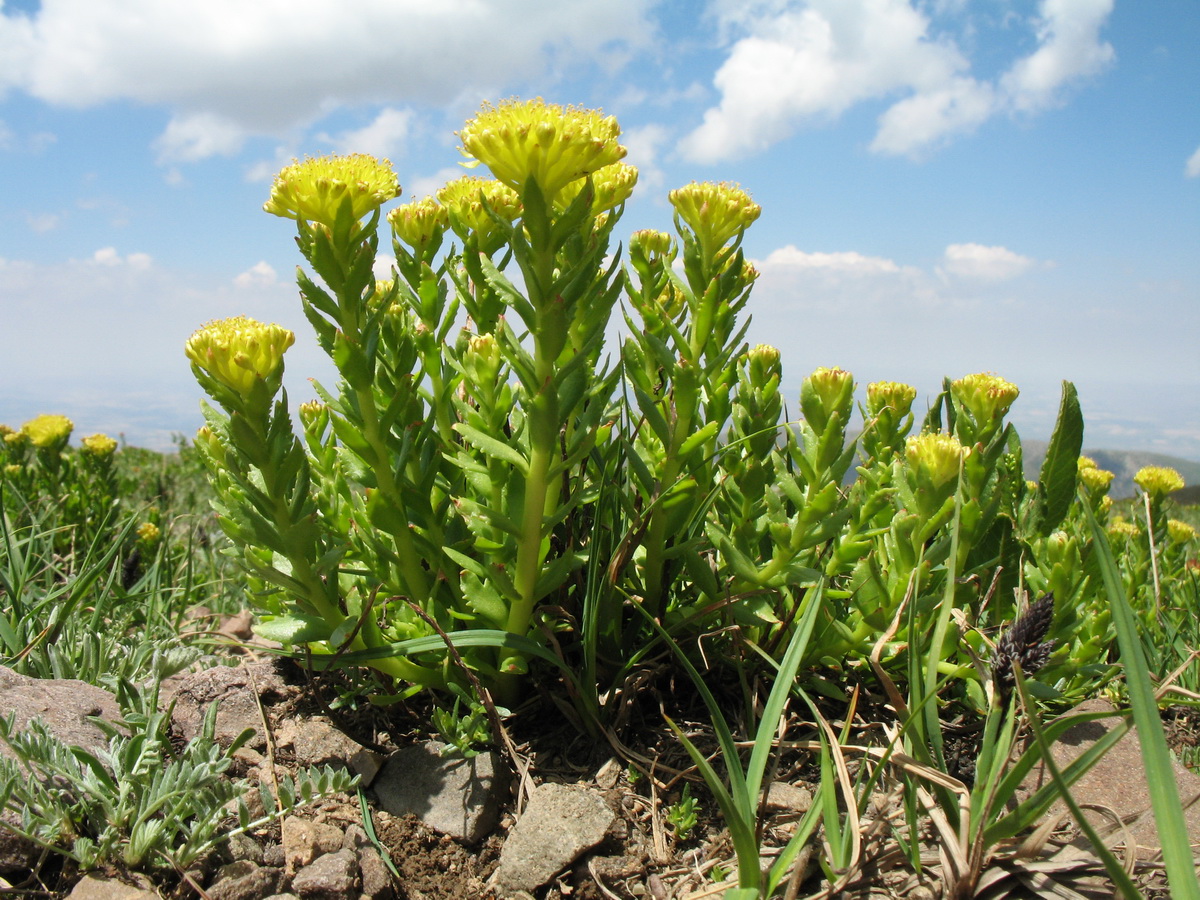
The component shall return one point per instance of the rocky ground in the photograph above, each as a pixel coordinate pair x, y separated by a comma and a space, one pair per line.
550, 814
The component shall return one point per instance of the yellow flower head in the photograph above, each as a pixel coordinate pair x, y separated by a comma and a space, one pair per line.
16, 438
148, 533
936, 457
1119, 528
99, 445
419, 223
5, 431
891, 395
715, 213
986, 396
48, 432
1158, 481
312, 191
1085, 462
465, 198
551, 144
1180, 532
1097, 481
12, 470
613, 185
238, 351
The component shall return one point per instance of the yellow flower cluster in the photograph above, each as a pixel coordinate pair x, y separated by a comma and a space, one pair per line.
1095, 479
1181, 532
986, 396
893, 395
313, 190
148, 533
544, 142
238, 351
465, 198
613, 185
715, 213
936, 457
48, 432
100, 446
1158, 481
1120, 528
420, 222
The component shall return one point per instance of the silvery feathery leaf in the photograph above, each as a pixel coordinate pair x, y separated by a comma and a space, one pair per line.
1023, 643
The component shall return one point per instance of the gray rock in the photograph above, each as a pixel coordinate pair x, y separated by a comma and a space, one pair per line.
93, 887
243, 880
64, 707
333, 876
1118, 780
457, 796
235, 690
316, 742
243, 847
304, 840
560, 823
376, 879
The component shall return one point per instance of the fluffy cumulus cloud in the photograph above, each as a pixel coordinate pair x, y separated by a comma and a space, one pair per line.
228, 69
802, 61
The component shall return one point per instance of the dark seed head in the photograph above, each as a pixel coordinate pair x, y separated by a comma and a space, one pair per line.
1025, 644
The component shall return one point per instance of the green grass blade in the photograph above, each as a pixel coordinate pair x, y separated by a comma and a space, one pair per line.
1160, 774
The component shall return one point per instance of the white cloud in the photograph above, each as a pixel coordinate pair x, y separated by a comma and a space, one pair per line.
929, 118
261, 274
644, 146
975, 262
429, 185
1069, 48
384, 137
1192, 169
108, 257
809, 61
197, 136
815, 62
228, 68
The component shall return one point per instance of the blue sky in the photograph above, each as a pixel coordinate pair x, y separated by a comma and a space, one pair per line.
947, 186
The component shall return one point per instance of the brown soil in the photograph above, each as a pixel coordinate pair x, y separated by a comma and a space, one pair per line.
641, 772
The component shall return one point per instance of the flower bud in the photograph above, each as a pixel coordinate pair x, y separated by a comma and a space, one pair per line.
890, 395
935, 457
1158, 481
824, 393
464, 200
652, 244
985, 396
1097, 481
611, 185
420, 223
482, 359
716, 213
1121, 529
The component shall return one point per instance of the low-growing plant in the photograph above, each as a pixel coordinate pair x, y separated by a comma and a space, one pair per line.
137, 803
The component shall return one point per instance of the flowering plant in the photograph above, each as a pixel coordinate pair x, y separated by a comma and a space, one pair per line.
487, 474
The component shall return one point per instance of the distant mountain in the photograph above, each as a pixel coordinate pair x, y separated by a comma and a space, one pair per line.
1124, 464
